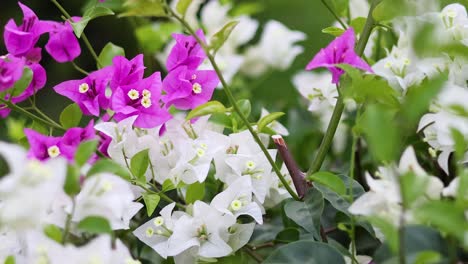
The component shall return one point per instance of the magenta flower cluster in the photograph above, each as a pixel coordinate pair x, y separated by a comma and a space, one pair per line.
21, 40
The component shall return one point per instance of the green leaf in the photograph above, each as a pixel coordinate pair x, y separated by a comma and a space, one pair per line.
330, 180
413, 187
307, 214
358, 23
340, 7
247, 8
53, 232
15, 128
139, 164
222, 35
23, 82
381, 132
221, 119
266, 120
388, 230
182, 6
195, 192
288, 235
145, 8
334, 31
168, 185
71, 116
109, 166
151, 202
95, 225
39, 127
305, 251
206, 109
90, 14
153, 37
10, 260
72, 181
460, 143
108, 53
84, 151
427, 257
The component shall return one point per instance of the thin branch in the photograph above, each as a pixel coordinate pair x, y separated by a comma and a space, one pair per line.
334, 14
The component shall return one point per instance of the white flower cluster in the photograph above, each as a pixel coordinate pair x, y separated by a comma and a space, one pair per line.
267, 54
32, 197
183, 153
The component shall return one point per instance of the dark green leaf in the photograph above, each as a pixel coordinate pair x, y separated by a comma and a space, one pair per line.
307, 214
195, 192
206, 109
108, 53
23, 82
95, 225
151, 202
71, 116
139, 164
221, 36
330, 180
90, 14
84, 151
305, 251
288, 235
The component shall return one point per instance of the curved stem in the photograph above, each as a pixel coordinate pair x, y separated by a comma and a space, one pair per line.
78, 68
34, 117
83, 35
338, 111
236, 108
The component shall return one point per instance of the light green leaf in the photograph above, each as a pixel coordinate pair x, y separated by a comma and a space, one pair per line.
222, 35
23, 82
15, 128
206, 109
151, 202
10, 260
108, 53
145, 8
427, 257
182, 6
266, 120
71, 116
53, 232
334, 31
195, 192
72, 180
330, 180
168, 185
153, 37
246, 8
90, 14
358, 23
95, 225
139, 164
84, 151
413, 187
305, 251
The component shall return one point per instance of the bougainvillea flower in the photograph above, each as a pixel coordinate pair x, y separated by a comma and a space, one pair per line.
11, 70
141, 99
63, 45
127, 72
44, 147
186, 52
74, 136
90, 92
187, 89
20, 39
104, 142
339, 51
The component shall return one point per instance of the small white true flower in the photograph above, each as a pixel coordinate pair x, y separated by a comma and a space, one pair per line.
158, 221
236, 205
197, 88
53, 151
146, 102
200, 152
106, 186
83, 88
149, 232
250, 165
146, 93
133, 94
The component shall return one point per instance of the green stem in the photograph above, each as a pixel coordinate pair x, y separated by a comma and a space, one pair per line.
334, 14
66, 230
83, 35
236, 108
43, 115
34, 117
78, 68
338, 111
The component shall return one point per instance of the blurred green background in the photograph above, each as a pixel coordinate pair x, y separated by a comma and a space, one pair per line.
276, 92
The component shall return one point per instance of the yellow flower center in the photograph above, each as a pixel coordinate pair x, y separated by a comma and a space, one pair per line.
197, 88
83, 88
146, 102
250, 165
149, 232
146, 94
236, 205
158, 221
133, 94
53, 151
